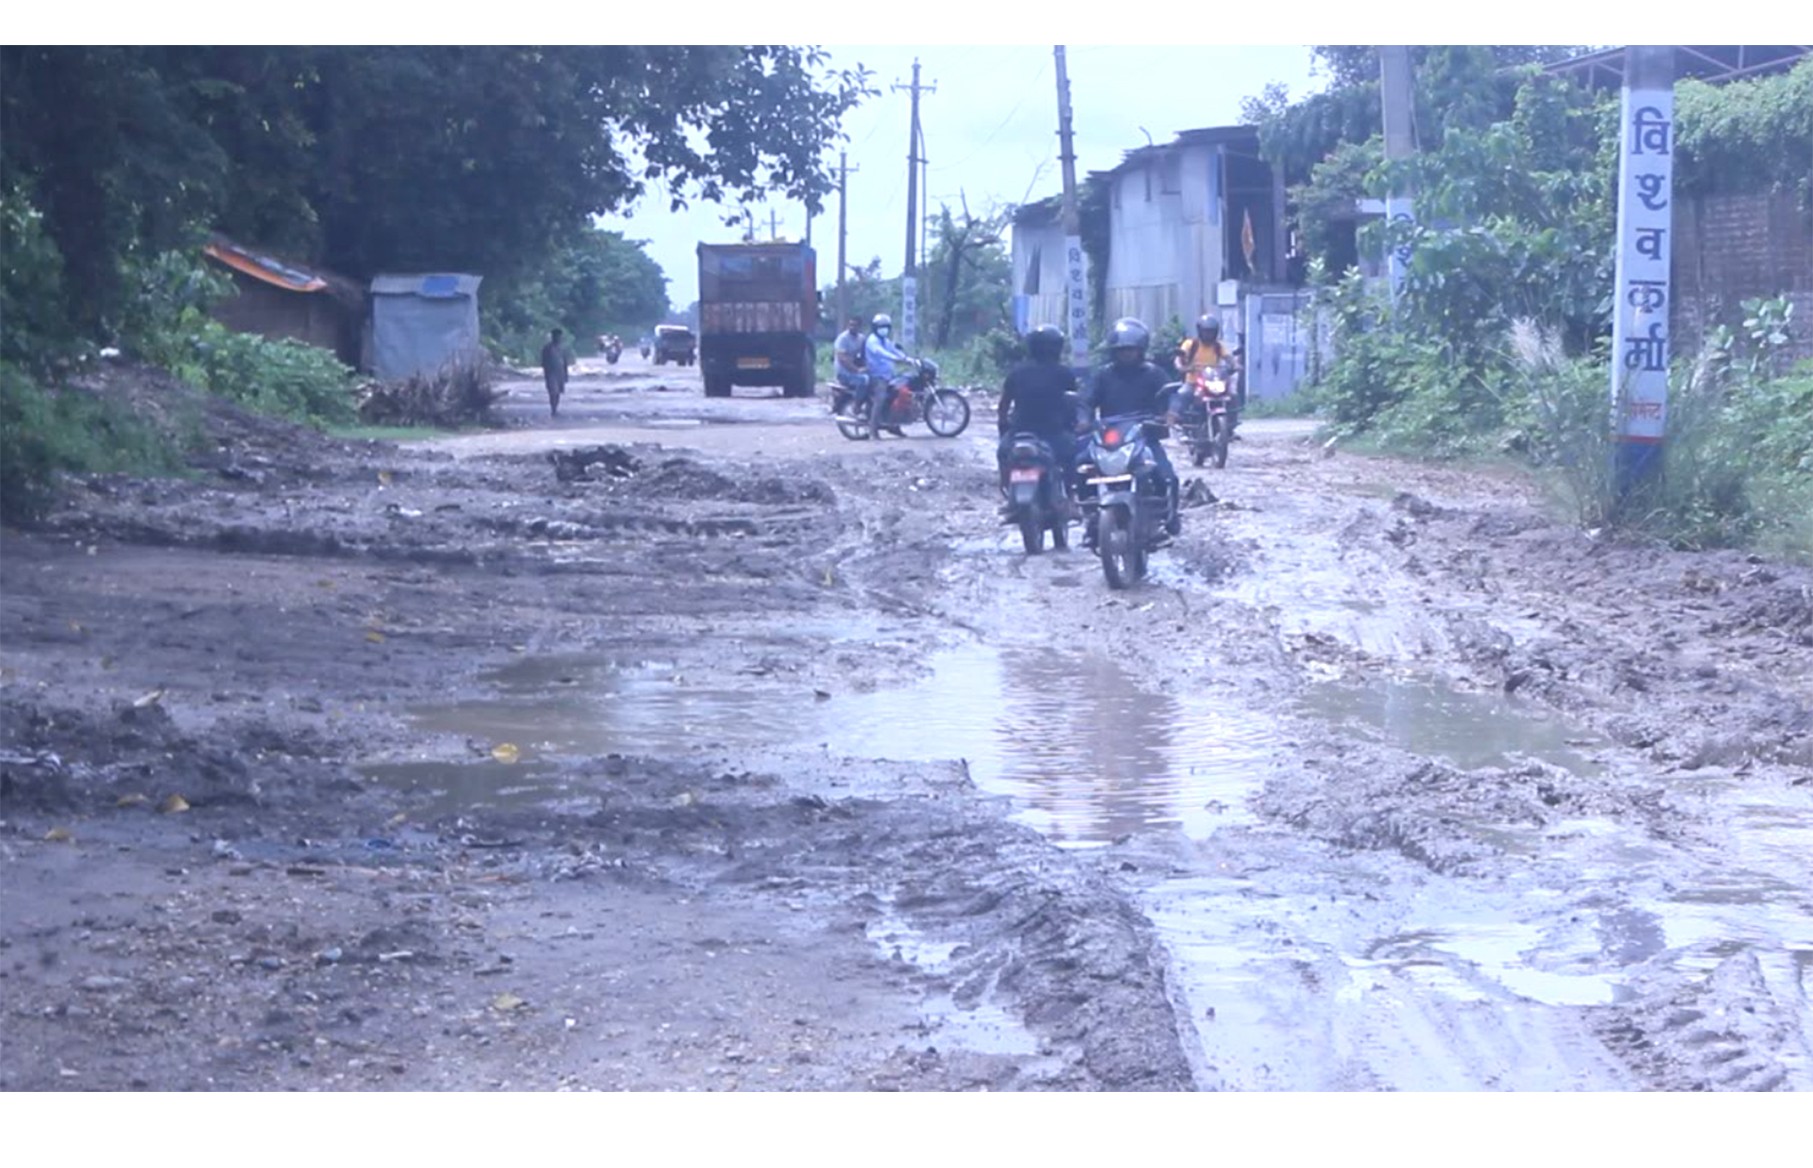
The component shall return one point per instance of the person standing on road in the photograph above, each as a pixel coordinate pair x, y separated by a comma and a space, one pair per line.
554, 362
850, 360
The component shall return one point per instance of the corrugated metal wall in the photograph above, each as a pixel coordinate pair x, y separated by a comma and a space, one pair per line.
1165, 251
1044, 290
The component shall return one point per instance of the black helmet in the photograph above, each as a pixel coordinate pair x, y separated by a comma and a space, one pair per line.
1045, 343
1208, 328
1129, 333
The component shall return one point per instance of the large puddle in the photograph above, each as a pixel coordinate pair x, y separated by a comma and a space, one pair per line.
1086, 755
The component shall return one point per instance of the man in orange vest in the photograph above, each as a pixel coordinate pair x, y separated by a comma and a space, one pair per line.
1204, 355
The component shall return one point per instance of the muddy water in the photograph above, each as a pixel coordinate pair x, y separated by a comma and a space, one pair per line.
1403, 980
1469, 730
1086, 756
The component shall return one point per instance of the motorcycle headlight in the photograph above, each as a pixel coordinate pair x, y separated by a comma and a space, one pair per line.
1113, 462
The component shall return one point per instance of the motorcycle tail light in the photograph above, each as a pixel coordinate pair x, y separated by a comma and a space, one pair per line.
1112, 437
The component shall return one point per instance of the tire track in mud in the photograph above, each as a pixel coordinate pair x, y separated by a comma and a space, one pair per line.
1516, 984
1358, 915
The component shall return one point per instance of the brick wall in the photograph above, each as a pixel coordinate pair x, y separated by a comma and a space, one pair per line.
1728, 248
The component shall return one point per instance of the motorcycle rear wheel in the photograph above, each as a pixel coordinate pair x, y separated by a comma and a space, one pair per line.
1032, 531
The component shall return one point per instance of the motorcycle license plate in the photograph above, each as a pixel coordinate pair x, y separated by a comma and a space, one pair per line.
752, 363
1127, 478
1023, 476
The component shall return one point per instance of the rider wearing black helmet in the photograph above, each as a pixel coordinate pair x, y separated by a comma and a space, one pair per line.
1129, 384
1205, 352
1036, 398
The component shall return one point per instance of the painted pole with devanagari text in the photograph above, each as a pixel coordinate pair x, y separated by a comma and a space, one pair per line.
1640, 340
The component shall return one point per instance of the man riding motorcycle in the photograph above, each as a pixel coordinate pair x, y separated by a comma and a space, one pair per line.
1202, 355
1129, 384
881, 359
1036, 399
849, 352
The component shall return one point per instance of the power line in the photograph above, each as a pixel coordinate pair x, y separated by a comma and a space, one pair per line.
1040, 76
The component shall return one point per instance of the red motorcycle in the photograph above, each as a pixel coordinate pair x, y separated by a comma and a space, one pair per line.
916, 397
1207, 420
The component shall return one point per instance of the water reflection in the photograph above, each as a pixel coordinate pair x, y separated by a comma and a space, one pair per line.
1088, 754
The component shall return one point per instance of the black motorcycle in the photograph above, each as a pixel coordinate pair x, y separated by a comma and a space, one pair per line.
1036, 494
613, 349
1206, 420
1122, 496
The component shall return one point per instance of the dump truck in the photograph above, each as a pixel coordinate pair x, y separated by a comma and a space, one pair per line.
758, 308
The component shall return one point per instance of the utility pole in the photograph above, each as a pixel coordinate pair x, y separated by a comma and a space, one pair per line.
1076, 264
1400, 143
774, 231
843, 210
909, 280
925, 186
1642, 294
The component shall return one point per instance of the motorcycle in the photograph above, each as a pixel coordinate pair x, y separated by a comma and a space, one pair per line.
1123, 498
1036, 493
1208, 417
915, 397
613, 349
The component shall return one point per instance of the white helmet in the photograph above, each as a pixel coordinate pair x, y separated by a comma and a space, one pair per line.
882, 321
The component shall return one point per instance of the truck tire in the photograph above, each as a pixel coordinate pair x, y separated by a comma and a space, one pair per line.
804, 383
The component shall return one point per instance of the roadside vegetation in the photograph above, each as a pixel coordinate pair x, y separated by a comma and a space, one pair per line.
1498, 343
117, 162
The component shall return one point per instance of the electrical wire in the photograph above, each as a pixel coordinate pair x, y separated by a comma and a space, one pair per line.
1031, 86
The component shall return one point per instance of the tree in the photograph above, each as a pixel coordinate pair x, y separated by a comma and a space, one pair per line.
478, 158
596, 282
969, 275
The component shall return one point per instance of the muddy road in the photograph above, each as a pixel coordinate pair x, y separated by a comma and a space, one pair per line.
752, 758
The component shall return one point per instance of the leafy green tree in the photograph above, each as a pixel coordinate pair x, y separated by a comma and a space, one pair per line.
596, 282
479, 158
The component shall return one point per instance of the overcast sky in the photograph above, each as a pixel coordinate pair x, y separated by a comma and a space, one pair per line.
990, 133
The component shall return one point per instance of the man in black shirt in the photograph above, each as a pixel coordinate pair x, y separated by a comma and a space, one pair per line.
1129, 384
1037, 399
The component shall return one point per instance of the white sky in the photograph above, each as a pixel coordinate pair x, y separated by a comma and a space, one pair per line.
990, 133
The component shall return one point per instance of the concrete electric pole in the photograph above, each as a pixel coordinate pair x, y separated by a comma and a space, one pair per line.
1076, 264
909, 280
1642, 294
844, 170
1400, 143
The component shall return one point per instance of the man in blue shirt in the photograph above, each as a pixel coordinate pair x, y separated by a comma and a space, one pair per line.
882, 361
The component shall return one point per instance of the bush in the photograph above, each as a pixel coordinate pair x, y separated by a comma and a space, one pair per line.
168, 326
457, 394
34, 330
1737, 466
44, 431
